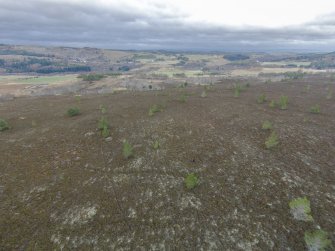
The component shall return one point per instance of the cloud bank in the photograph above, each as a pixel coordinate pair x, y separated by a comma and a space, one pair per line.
149, 26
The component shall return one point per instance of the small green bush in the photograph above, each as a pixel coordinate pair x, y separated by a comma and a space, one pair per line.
301, 209
103, 123
317, 240
237, 91
315, 109
272, 104
156, 145
3, 125
154, 109
183, 98
74, 111
266, 125
271, 141
105, 132
261, 99
191, 181
283, 101
203, 94
127, 150
92, 77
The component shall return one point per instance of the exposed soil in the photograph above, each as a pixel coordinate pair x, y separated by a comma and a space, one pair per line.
63, 186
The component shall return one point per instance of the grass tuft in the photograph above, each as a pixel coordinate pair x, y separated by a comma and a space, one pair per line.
154, 109
267, 125
272, 104
261, 99
191, 181
127, 150
156, 145
315, 109
272, 141
74, 111
283, 101
3, 125
183, 98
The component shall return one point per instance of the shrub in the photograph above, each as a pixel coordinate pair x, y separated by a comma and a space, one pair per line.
203, 94
127, 150
156, 145
103, 123
317, 240
183, 98
153, 109
261, 99
91, 77
74, 111
191, 181
272, 104
103, 126
182, 85
283, 101
266, 125
237, 91
271, 141
3, 125
301, 209
315, 109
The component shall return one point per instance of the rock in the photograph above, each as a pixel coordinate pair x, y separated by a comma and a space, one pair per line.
109, 139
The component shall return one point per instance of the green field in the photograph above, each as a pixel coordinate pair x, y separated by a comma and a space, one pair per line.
37, 80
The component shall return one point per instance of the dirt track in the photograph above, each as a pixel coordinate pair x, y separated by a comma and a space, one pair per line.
63, 186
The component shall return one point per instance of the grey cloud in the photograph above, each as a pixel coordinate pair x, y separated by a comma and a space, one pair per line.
123, 27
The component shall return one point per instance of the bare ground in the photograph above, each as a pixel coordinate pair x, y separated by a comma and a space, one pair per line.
62, 186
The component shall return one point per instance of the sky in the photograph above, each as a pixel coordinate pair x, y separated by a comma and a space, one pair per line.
191, 25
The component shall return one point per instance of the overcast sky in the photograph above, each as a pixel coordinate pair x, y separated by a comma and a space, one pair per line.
254, 25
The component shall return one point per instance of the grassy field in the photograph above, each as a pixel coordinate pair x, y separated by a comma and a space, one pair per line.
210, 183
37, 80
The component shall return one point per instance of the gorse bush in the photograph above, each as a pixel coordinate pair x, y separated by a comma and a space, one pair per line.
191, 181
261, 99
127, 150
272, 141
283, 101
74, 111
266, 125
315, 109
3, 125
